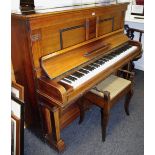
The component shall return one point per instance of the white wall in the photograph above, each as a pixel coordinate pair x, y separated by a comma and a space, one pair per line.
54, 3
140, 63
15, 4
138, 24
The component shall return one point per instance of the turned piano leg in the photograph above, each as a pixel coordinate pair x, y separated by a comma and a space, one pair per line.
51, 125
55, 122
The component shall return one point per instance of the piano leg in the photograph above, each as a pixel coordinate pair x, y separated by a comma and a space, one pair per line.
55, 122
50, 118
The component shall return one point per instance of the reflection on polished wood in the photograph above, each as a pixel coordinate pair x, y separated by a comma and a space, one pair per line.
48, 46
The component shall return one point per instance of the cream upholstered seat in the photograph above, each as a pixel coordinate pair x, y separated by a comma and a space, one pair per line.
113, 84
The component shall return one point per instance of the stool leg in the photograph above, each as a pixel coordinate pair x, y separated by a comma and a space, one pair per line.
105, 114
81, 108
104, 122
127, 101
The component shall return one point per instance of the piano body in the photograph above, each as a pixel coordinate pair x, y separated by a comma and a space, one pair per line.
59, 54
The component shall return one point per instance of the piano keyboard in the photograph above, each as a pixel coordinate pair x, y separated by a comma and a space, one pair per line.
84, 74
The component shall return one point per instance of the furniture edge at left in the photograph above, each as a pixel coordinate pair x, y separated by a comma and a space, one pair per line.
23, 67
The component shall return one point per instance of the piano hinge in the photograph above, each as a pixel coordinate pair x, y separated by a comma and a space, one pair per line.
36, 37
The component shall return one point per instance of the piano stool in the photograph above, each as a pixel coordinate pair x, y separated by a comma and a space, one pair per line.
105, 95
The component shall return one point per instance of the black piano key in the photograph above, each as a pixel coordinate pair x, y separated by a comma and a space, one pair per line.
124, 48
114, 54
104, 59
84, 71
118, 51
128, 46
67, 80
71, 78
102, 62
89, 68
109, 56
77, 74
99, 62
94, 65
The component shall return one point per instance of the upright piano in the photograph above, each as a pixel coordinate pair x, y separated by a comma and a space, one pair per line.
59, 54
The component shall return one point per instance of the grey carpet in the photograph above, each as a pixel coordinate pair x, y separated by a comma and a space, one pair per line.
125, 135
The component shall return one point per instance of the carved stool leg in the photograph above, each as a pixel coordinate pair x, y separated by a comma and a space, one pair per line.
105, 114
127, 101
104, 122
132, 66
82, 110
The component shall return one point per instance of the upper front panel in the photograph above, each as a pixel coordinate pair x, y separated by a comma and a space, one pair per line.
54, 32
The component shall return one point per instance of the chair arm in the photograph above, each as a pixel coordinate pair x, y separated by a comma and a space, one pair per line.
130, 32
136, 30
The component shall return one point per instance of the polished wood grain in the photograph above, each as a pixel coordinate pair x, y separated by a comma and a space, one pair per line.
48, 45
12, 74
23, 68
64, 63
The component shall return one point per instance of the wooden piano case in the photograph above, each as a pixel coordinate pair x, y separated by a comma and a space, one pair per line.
48, 44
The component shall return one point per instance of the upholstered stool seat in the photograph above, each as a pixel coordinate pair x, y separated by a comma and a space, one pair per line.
113, 84
105, 94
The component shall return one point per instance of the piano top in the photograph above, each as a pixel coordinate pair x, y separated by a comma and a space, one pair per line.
44, 11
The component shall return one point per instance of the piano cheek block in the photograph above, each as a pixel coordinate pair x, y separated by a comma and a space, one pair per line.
52, 89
